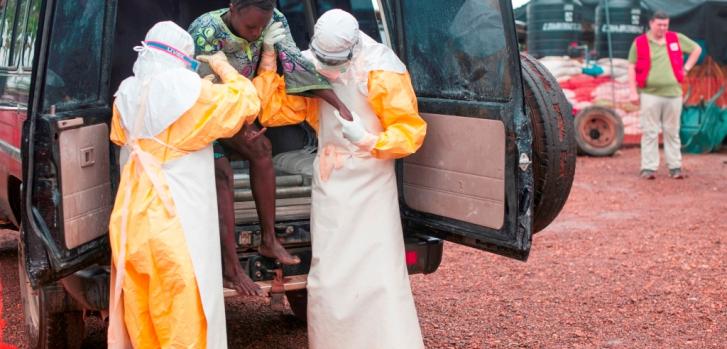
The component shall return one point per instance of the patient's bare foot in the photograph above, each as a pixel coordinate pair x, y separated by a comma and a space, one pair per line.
235, 278
272, 248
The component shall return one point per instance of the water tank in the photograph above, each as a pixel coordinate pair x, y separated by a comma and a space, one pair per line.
626, 23
552, 26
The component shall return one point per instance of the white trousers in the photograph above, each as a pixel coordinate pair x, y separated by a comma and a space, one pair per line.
660, 113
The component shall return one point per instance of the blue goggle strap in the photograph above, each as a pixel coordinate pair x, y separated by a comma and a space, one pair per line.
192, 63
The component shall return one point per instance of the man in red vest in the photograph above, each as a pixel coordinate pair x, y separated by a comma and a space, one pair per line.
657, 68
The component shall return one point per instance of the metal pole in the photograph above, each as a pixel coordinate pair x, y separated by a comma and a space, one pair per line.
610, 54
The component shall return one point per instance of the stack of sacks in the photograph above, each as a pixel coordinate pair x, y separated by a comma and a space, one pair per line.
587, 91
620, 68
581, 88
627, 109
562, 68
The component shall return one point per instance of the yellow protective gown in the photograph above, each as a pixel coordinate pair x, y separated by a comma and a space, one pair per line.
166, 213
358, 287
390, 97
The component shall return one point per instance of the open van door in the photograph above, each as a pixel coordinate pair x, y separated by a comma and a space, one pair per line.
68, 163
471, 182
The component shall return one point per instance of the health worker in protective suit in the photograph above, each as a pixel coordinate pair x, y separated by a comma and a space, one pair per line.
166, 283
358, 286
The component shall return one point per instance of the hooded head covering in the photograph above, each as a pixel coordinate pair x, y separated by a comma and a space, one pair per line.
335, 35
337, 39
163, 86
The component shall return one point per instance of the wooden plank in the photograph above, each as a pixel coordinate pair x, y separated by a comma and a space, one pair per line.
290, 283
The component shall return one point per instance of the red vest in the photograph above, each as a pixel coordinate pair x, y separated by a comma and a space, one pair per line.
643, 58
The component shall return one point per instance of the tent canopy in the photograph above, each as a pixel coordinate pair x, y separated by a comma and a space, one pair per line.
701, 20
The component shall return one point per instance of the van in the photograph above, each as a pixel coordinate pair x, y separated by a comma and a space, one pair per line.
496, 166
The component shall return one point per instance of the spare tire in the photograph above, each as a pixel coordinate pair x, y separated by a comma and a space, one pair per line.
599, 131
554, 145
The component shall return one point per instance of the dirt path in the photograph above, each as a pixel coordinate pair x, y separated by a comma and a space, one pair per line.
628, 264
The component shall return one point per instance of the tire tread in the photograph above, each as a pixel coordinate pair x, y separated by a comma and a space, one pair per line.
554, 145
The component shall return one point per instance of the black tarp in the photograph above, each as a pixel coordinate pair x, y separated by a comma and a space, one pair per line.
701, 20
706, 23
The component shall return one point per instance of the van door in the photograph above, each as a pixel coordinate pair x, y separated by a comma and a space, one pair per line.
471, 182
67, 160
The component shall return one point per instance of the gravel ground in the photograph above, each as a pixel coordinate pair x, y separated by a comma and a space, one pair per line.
628, 264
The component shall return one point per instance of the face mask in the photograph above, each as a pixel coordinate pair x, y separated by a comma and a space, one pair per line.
191, 63
332, 72
332, 68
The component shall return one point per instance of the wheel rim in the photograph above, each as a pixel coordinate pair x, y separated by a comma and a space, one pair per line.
598, 131
31, 302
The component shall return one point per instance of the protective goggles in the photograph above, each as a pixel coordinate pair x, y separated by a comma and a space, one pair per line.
190, 62
332, 61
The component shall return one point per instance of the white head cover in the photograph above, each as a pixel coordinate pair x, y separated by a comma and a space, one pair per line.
162, 88
337, 37
335, 33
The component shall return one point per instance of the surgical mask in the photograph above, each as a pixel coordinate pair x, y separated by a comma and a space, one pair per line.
191, 63
332, 72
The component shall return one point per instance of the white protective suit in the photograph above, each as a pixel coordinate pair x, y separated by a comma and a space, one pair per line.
166, 284
358, 286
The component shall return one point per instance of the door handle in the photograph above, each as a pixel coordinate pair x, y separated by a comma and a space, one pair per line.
87, 157
68, 123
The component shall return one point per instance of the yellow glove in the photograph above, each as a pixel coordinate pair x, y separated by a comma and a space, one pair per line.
219, 65
219, 56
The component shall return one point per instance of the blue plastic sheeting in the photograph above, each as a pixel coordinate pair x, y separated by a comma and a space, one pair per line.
704, 127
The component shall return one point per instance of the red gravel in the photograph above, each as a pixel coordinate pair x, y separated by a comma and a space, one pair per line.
11, 306
629, 263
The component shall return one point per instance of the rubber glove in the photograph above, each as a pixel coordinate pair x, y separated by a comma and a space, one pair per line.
219, 56
219, 65
354, 130
272, 36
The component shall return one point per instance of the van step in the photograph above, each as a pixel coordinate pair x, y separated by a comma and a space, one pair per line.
291, 283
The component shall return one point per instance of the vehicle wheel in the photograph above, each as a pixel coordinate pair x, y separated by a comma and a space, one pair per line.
554, 146
599, 131
298, 301
47, 329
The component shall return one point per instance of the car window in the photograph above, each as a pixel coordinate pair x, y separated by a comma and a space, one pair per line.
295, 10
19, 33
31, 33
8, 14
74, 60
363, 10
457, 49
